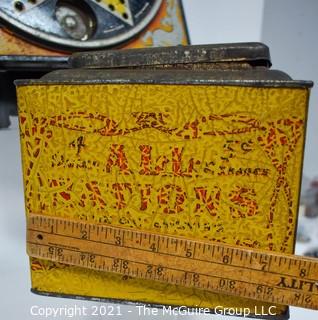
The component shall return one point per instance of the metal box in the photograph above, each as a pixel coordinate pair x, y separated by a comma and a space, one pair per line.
200, 141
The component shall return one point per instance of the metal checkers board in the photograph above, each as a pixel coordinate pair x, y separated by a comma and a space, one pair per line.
262, 275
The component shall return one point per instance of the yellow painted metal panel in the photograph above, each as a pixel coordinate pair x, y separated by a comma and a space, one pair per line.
220, 163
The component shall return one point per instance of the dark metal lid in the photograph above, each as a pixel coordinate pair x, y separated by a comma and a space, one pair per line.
254, 77
254, 53
34, 63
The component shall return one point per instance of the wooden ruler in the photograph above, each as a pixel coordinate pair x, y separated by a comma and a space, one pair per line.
262, 275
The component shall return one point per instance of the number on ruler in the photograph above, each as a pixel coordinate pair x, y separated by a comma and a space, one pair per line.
153, 247
117, 263
264, 290
118, 241
84, 234
226, 259
303, 273
225, 283
189, 253
56, 251
159, 270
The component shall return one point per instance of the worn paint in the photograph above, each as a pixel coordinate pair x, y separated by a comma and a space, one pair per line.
219, 163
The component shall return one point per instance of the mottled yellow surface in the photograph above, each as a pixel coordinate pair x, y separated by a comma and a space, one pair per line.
208, 162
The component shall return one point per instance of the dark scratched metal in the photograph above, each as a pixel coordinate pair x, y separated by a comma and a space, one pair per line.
32, 63
243, 64
78, 25
254, 53
252, 78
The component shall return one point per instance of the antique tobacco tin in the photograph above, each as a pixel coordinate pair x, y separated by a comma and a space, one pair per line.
200, 141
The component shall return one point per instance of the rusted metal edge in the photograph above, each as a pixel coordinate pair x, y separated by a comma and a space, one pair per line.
253, 52
251, 78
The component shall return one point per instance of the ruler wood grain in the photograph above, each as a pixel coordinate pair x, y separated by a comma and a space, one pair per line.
261, 275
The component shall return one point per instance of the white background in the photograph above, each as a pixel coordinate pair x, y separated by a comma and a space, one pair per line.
289, 27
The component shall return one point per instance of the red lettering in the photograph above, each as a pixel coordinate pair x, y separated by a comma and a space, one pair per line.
145, 193
117, 158
171, 199
211, 202
121, 194
246, 205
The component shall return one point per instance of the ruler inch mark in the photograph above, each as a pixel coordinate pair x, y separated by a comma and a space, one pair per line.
169, 254
174, 262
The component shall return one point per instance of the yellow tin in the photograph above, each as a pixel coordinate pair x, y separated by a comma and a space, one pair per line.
201, 141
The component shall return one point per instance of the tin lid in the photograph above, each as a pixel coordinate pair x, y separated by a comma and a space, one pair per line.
252, 53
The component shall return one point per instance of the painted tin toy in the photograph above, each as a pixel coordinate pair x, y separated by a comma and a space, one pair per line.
37, 37
200, 141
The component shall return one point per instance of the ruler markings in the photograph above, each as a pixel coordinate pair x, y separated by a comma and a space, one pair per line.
297, 290
175, 255
146, 264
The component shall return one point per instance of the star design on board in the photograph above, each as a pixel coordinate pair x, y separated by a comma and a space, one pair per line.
118, 8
